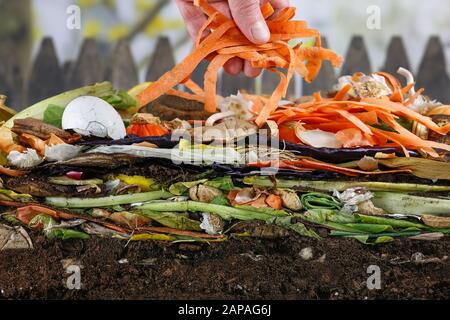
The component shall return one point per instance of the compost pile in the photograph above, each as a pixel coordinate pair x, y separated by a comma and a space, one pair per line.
368, 161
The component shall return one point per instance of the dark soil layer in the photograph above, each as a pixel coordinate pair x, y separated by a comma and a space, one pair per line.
243, 268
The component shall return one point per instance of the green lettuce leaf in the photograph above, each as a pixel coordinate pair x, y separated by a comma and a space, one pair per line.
120, 100
173, 220
315, 200
53, 115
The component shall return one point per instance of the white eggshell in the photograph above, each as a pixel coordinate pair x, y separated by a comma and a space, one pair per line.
92, 116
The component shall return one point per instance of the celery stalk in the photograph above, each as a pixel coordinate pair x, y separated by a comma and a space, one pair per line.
62, 202
225, 212
397, 203
344, 185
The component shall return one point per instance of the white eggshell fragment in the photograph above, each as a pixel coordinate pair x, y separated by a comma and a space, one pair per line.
92, 116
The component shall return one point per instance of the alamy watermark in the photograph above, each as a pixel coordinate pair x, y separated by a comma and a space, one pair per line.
374, 19
73, 21
374, 280
73, 281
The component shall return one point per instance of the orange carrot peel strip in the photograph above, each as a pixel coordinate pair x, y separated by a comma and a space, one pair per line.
225, 41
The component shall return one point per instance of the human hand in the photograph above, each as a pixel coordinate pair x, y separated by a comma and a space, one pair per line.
246, 14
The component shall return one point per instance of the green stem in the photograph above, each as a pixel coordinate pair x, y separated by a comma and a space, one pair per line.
396, 203
370, 235
330, 186
106, 201
225, 212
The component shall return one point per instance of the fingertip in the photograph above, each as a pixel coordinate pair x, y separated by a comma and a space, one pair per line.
260, 33
250, 71
234, 66
280, 4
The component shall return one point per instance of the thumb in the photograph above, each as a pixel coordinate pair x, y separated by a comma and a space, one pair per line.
248, 17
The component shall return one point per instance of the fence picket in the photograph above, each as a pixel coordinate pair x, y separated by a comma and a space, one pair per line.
68, 70
162, 60
89, 66
270, 81
11, 82
432, 73
46, 78
199, 73
122, 71
396, 57
357, 58
233, 84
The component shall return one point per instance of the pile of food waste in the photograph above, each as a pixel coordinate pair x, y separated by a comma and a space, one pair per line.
369, 160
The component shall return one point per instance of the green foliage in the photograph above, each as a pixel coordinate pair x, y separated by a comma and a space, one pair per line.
53, 115
315, 200
120, 100
174, 220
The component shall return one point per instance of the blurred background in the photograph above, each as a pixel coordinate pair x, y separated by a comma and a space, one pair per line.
26, 22
141, 21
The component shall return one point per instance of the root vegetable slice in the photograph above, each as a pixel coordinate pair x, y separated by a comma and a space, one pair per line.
211, 81
274, 202
226, 41
184, 69
351, 138
272, 104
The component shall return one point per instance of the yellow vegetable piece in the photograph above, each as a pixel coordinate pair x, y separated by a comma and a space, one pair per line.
136, 90
146, 184
147, 236
186, 145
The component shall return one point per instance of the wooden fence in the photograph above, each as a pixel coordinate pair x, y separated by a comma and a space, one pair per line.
48, 76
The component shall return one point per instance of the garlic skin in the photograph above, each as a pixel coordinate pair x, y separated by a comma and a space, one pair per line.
204, 193
237, 104
353, 197
290, 200
212, 224
368, 208
61, 152
233, 106
25, 160
365, 86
